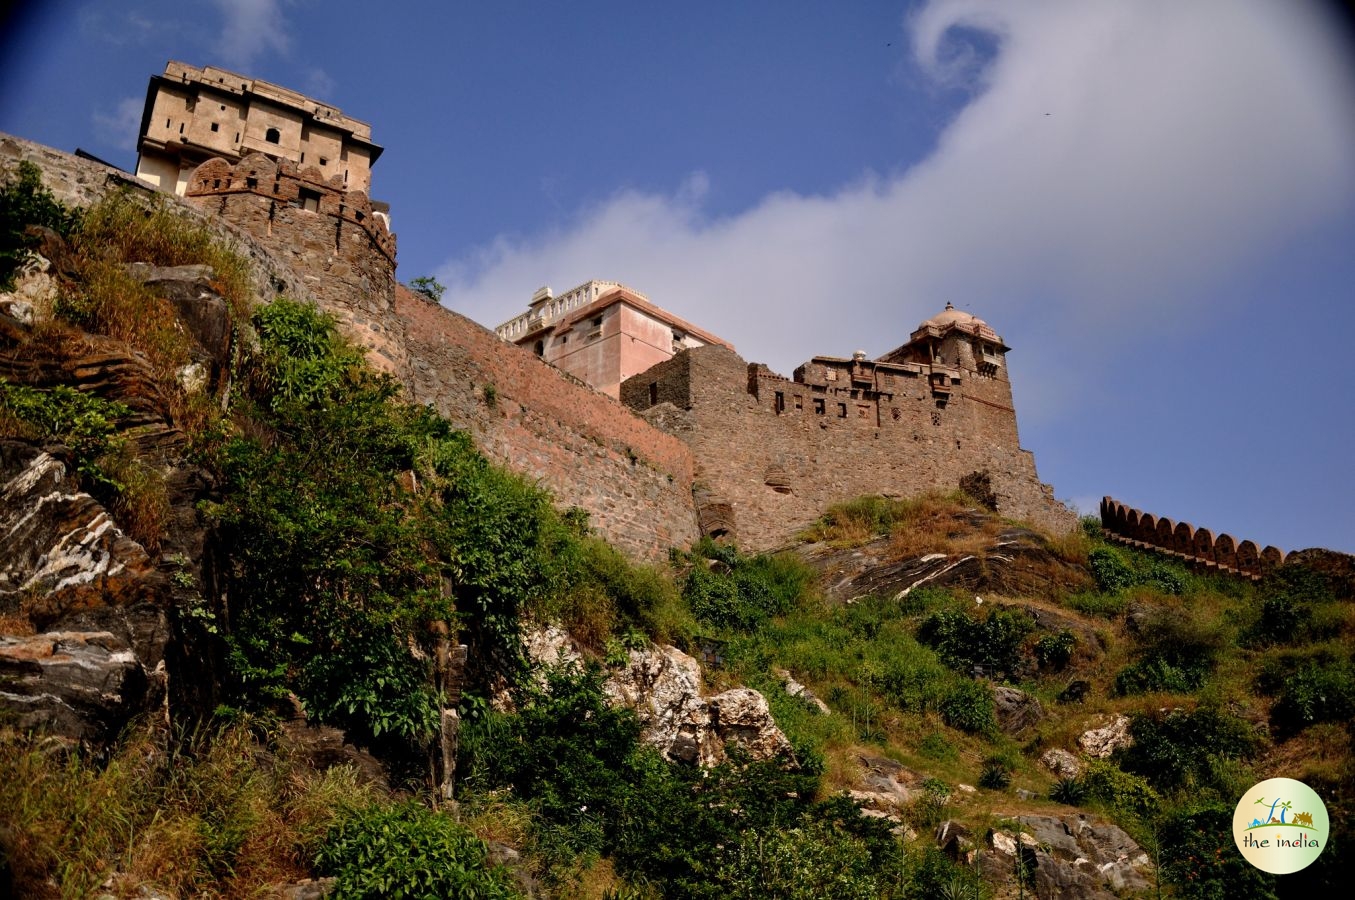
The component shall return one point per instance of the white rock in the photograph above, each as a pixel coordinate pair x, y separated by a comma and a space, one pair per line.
1100, 743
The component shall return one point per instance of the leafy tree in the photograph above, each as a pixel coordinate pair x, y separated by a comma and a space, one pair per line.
429, 286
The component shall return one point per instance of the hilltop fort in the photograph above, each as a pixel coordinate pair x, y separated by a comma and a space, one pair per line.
652, 424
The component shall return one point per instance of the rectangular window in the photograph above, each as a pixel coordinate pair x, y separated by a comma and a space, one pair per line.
308, 199
799, 402
653, 392
780, 402
842, 410
215, 127
818, 405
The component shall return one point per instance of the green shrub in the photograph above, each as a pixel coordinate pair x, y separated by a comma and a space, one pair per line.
1110, 570
1200, 858
405, 850
969, 706
1118, 790
742, 592
1115, 570
1178, 649
1311, 693
1181, 749
24, 201
996, 775
962, 642
1054, 651
84, 423
1107, 606
1070, 791
938, 747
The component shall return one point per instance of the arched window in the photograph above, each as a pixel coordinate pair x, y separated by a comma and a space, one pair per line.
272, 136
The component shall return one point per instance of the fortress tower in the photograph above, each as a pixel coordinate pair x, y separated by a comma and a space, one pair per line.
195, 114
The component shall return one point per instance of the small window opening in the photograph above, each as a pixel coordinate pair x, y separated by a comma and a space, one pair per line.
653, 392
597, 322
167, 121
540, 348
799, 402
842, 410
223, 107
181, 124
818, 406
780, 402
251, 182
237, 137
323, 161
215, 127
303, 155
272, 136
308, 200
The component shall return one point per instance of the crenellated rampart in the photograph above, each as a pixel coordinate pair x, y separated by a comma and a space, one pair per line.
1198, 546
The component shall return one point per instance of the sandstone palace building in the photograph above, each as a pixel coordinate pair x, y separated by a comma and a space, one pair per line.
193, 115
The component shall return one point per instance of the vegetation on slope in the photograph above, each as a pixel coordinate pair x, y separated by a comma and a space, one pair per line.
354, 530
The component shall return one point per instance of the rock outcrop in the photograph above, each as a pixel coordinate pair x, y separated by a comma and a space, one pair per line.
1017, 711
1079, 857
663, 686
1101, 742
1014, 562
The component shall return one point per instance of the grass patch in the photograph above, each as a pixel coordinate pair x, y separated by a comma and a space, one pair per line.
221, 814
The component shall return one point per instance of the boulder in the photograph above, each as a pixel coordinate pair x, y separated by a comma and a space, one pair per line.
1062, 763
1100, 743
60, 551
887, 783
956, 841
1016, 710
35, 289
663, 686
742, 718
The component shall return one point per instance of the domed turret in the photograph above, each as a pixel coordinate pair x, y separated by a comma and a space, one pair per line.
950, 317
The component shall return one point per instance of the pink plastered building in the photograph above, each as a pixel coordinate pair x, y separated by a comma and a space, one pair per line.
602, 333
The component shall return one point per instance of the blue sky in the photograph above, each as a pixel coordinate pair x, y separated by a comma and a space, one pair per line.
1153, 202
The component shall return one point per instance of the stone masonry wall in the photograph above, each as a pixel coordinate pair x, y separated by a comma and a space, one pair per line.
343, 252
1183, 540
587, 449
769, 462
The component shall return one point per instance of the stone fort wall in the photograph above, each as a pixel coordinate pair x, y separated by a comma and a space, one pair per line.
341, 250
1198, 546
587, 449
772, 453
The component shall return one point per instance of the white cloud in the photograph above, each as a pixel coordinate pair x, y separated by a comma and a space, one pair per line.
249, 28
1116, 158
118, 127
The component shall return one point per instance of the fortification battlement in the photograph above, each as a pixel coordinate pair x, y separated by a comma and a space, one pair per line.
1197, 546
284, 183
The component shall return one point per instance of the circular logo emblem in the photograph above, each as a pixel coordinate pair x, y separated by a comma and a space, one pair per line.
1280, 825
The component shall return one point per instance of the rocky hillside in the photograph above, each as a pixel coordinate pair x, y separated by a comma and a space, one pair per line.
269, 629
